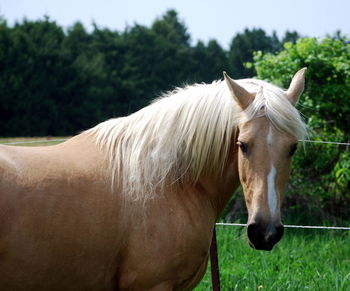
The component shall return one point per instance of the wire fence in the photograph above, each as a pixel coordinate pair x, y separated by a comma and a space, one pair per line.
222, 223
325, 142
292, 226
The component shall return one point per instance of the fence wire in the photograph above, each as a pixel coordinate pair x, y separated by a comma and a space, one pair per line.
325, 142
292, 226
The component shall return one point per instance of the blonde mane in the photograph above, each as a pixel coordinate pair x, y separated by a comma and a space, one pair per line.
186, 134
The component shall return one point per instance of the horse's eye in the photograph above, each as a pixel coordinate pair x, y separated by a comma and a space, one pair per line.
243, 146
293, 149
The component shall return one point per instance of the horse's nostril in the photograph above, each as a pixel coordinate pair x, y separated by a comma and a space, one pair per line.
253, 230
255, 234
264, 237
279, 233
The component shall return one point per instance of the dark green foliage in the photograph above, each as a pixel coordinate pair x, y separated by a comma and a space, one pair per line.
243, 46
30, 56
56, 82
210, 61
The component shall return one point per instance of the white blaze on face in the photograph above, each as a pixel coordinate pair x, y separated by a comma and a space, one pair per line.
269, 137
271, 191
271, 178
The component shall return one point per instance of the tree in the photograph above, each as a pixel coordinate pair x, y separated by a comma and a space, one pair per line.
243, 46
209, 62
290, 36
171, 29
32, 77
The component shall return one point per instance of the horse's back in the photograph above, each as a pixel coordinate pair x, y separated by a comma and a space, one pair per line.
57, 220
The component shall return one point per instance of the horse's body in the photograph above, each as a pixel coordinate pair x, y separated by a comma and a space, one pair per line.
71, 220
63, 229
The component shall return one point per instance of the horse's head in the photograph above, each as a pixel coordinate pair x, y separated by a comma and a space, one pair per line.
264, 164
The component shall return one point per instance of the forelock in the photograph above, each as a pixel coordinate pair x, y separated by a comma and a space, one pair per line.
271, 101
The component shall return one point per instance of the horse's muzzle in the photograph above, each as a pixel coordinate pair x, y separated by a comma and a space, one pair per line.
264, 236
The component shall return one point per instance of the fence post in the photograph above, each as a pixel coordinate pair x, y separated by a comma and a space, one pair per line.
214, 263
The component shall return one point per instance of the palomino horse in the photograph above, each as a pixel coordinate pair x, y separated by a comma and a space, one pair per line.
131, 203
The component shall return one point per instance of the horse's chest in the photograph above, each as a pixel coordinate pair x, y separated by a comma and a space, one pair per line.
172, 256
174, 267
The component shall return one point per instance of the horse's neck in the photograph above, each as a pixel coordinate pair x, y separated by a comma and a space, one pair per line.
220, 191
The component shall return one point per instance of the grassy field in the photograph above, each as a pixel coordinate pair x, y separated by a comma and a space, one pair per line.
303, 260
32, 141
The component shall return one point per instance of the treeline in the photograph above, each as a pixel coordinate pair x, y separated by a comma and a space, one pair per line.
56, 82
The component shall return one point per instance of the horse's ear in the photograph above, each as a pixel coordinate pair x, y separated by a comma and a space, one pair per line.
296, 87
241, 95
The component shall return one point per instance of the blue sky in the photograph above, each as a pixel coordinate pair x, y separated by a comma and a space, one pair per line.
219, 19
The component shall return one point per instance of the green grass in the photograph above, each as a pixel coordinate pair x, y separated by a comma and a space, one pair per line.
46, 140
303, 260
